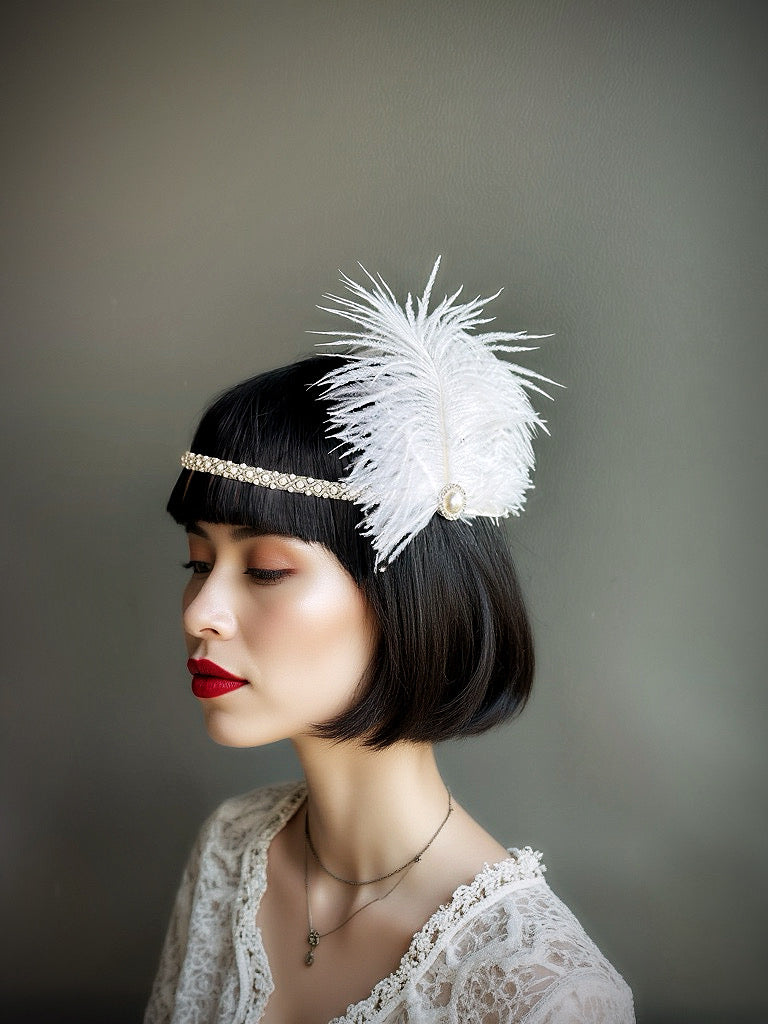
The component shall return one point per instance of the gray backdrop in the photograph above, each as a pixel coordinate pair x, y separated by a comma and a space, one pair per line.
181, 183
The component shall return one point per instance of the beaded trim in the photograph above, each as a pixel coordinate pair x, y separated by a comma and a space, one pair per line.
523, 867
271, 478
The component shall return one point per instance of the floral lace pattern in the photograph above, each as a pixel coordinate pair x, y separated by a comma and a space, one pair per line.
503, 950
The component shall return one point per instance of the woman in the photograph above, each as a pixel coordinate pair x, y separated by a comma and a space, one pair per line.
328, 603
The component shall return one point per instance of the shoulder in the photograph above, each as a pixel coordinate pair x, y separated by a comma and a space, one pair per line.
215, 912
509, 949
241, 822
256, 812
573, 979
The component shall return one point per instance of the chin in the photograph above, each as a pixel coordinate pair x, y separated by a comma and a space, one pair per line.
228, 732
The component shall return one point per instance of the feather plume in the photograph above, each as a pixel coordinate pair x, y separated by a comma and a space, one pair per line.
422, 405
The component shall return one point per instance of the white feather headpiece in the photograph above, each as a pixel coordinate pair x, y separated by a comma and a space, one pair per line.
430, 418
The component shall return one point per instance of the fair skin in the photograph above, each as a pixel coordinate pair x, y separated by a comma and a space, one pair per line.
287, 617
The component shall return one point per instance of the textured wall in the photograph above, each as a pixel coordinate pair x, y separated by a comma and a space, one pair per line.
181, 182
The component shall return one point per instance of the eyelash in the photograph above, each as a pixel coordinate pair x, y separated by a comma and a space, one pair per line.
200, 568
194, 565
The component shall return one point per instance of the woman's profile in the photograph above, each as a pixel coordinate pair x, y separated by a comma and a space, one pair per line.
350, 589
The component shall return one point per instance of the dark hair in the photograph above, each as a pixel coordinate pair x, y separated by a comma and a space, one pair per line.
455, 652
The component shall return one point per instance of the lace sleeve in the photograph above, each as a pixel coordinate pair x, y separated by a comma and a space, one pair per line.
556, 974
585, 1000
161, 1002
209, 961
519, 959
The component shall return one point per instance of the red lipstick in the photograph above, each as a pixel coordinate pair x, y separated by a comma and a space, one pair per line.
211, 680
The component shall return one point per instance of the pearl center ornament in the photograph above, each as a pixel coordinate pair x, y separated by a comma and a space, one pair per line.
453, 501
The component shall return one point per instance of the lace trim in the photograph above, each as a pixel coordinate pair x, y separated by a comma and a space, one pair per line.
261, 985
521, 866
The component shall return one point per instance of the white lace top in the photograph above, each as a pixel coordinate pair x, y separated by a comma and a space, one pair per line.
503, 950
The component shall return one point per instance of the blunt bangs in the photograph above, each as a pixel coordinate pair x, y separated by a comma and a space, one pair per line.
455, 650
276, 421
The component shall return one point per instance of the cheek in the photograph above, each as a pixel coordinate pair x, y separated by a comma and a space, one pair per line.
327, 630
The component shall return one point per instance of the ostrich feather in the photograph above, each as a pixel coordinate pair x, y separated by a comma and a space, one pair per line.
422, 403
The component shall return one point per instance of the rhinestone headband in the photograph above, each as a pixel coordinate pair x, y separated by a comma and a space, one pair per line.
450, 503
271, 478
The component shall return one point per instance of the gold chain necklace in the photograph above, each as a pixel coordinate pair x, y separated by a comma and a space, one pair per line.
314, 936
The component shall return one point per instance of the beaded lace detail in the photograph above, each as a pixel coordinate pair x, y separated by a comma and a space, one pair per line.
503, 950
523, 865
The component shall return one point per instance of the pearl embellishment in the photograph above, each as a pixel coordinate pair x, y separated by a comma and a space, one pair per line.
453, 501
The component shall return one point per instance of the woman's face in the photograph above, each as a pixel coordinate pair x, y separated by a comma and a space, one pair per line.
283, 616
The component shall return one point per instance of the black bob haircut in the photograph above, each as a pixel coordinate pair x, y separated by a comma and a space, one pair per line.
455, 650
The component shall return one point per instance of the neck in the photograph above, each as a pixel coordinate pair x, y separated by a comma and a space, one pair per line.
369, 811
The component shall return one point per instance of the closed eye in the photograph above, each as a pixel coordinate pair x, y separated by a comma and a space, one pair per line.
267, 575
200, 568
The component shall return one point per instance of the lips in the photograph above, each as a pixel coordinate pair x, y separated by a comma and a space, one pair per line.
211, 680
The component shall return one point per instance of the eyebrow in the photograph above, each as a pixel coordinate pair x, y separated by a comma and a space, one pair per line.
236, 533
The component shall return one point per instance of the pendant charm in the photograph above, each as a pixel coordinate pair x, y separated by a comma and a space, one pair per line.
313, 938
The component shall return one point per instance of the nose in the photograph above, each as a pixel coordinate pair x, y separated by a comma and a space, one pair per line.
208, 610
